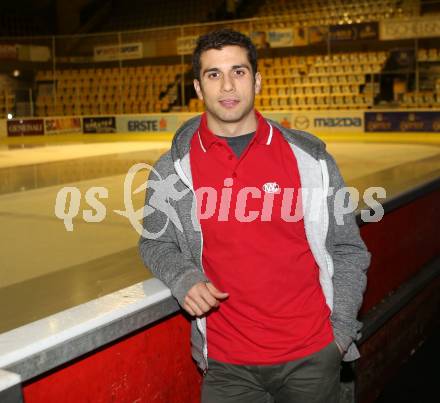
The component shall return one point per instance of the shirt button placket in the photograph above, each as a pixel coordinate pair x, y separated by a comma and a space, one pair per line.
233, 165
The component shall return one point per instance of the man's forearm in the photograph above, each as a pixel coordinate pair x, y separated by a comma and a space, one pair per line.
349, 283
168, 264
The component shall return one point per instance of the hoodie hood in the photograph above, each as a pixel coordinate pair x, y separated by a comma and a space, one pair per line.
182, 138
305, 141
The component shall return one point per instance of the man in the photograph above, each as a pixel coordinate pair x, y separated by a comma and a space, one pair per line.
256, 257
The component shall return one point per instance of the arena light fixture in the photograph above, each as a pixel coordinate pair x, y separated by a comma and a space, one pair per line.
16, 73
10, 116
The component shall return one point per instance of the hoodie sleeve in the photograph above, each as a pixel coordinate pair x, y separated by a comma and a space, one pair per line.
158, 245
350, 260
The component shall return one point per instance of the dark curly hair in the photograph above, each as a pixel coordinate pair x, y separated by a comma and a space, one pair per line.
218, 40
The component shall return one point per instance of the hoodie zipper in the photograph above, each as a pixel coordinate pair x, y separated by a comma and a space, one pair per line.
185, 180
325, 186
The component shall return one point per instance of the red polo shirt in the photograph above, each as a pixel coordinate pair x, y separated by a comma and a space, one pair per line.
276, 310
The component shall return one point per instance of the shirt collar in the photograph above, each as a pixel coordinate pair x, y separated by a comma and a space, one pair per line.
263, 134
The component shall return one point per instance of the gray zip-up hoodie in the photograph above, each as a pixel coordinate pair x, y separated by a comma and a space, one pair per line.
172, 242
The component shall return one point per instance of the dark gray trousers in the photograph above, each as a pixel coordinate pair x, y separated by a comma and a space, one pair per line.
312, 379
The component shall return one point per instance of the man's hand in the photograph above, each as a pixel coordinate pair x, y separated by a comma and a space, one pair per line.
202, 297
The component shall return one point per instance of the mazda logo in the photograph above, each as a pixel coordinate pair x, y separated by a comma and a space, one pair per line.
301, 122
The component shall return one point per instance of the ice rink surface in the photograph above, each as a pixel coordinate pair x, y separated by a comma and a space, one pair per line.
46, 269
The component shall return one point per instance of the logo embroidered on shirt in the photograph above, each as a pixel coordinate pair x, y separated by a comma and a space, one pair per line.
271, 187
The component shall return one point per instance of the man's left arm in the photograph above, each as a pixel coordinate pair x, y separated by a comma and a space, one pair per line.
351, 260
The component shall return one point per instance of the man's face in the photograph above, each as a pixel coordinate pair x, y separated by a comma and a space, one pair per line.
227, 85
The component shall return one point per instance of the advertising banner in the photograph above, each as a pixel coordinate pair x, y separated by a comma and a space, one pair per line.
8, 52
33, 53
146, 123
99, 124
331, 122
39, 53
186, 44
417, 27
260, 39
318, 35
62, 125
25, 127
424, 121
300, 36
283, 118
279, 38
125, 51
354, 32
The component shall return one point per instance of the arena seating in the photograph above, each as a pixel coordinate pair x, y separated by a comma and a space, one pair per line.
7, 101
422, 99
274, 14
428, 55
109, 90
426, 97
316, 82
323, 12
341, 80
